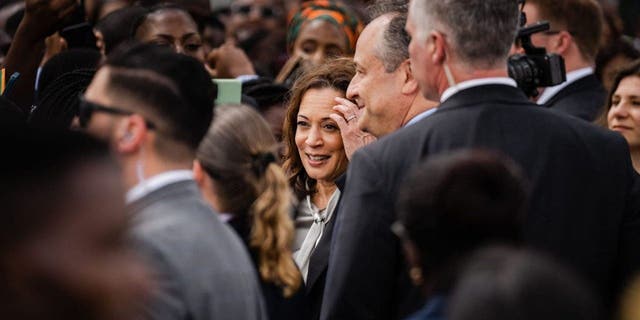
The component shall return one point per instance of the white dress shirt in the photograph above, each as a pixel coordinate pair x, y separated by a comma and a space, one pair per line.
572, 77
475, 83
156, 182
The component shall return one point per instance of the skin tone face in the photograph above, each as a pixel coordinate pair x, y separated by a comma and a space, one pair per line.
624, 115
318, 136
319, 40
173, 28
375, 89
85, 251
248, 16
101, 125
540, 39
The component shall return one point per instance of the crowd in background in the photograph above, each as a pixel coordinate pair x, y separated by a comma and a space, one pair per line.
321, 159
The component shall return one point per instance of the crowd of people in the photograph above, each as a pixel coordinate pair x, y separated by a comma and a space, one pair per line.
320, 159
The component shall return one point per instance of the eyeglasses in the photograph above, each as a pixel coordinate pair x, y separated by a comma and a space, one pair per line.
265, 12
87, 108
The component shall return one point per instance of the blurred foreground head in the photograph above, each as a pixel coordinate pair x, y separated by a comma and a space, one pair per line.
63, 248
500, 283
451, 205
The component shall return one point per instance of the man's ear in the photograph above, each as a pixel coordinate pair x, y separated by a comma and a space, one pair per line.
410, 85
131, 134
436, 47
198, 173
562, 43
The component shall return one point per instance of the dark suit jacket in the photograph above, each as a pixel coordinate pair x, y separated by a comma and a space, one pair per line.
317, 274
583, 208
201, 268
584, 99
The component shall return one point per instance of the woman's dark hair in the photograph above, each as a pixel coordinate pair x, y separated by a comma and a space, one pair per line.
117, 26
616, 49
453, 203
64, 63
335, 74
501, 283
239, 154
58, 104
633, 69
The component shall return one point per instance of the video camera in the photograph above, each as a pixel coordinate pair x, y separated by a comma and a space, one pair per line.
535, 68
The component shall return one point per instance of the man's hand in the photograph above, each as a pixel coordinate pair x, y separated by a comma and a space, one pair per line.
346, 116
229, 61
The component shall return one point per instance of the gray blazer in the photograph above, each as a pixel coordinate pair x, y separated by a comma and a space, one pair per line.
202, 269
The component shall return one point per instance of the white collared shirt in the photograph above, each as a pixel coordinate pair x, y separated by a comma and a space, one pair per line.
572, 77
156, 182
420, 116
475, 83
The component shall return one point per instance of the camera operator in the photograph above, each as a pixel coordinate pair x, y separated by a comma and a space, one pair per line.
576, 27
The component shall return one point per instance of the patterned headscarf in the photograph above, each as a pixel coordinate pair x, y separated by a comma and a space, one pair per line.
330, 11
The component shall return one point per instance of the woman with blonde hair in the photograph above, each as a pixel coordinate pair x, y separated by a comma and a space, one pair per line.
237, 172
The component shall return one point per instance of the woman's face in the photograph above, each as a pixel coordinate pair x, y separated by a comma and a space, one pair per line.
319, 40
318, 136
624, 114
173, 28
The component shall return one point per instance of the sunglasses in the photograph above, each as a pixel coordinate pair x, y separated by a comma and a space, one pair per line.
265, 12
87, 108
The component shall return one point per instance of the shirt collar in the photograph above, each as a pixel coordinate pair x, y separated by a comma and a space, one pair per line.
475, 83
156, 182
420, 116
572, 77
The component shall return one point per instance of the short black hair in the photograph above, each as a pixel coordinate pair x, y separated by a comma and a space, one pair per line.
501, 283
193, 82
453, 203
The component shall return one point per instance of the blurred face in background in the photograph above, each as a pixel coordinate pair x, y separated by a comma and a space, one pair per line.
318, 137
624, 114
251, 16
173, 28
80, 265
318, 41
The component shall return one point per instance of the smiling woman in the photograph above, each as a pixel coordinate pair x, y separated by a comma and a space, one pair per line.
315, 158
623, 108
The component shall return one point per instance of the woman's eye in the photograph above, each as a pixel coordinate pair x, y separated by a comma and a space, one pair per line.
302, 123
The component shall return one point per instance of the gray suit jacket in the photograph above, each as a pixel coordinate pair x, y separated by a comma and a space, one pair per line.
202, 269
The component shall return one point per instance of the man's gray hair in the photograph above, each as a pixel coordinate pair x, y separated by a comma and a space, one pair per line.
393, 50
481, 32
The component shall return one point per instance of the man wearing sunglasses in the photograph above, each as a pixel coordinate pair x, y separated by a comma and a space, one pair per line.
202, 270
576, 28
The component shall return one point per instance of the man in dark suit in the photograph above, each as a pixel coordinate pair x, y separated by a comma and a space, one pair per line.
576, 28
201, 268
584, 202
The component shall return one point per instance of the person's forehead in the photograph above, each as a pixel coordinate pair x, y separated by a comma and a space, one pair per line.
254, 2
163, 18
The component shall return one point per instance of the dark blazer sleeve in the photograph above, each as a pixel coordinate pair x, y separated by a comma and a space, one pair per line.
362, 264
629, 258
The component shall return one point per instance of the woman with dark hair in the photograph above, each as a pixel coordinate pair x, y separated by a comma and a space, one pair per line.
171, 26
237, 172
314, 159
623, 108
318, 31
